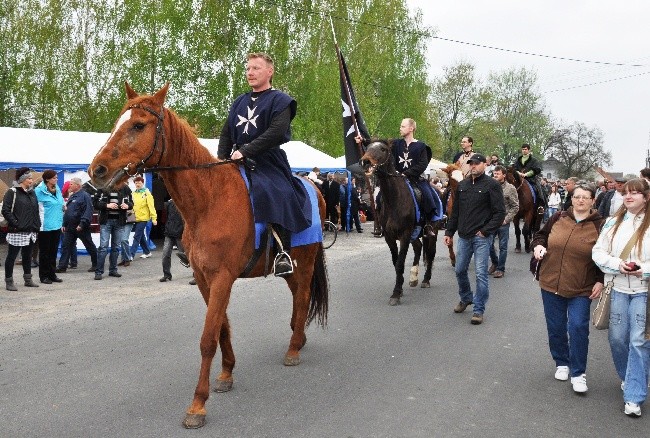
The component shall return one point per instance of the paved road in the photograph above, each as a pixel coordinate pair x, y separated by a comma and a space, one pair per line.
119, 357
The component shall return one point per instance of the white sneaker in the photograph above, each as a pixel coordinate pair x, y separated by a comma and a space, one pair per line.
145, 256
579, 383
623, 385
632, 409
562, 373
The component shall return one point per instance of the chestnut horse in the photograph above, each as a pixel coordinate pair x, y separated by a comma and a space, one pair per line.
527, 210
219, 230
397, 217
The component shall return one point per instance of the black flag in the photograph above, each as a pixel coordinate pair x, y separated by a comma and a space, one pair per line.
353, 123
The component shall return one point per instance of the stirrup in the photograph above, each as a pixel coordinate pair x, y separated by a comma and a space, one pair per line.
540, 210
283, 261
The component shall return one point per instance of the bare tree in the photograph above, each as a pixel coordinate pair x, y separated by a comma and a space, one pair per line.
579, 148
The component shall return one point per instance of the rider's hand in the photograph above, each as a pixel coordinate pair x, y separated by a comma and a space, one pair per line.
236, 155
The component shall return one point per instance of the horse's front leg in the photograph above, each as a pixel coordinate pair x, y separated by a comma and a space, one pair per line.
214, 319
392, 246
517, 236
225, 380
399, 271
415, 272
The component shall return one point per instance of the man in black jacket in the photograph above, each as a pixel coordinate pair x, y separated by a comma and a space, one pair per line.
530, 168
76, 224
478, 212
112, 205
173, 233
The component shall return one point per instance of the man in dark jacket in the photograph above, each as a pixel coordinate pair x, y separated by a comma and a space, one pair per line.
331, 192
478, 212
112, 205
76, 224
530, 168
173, 233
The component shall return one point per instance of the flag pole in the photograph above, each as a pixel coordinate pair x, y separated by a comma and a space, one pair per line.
348, 96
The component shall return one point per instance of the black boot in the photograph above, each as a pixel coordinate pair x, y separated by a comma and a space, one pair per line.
28, 280
10, 284
282, 264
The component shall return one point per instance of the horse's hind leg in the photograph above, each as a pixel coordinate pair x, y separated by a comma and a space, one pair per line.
526, 232
300, 284
225, 380
429, 251
517, 236
415, 272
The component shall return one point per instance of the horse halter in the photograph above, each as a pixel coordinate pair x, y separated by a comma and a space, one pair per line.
160, 133
381, 167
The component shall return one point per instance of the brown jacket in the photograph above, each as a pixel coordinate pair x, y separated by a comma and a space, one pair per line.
567, 268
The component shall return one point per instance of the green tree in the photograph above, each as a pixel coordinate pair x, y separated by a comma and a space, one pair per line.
579, 148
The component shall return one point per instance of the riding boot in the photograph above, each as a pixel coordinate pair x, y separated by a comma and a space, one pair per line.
10, 284
283, 265
28, 280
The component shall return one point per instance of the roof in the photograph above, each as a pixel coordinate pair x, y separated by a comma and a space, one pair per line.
71, 151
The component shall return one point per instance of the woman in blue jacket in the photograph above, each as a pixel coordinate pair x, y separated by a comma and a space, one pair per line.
51, 206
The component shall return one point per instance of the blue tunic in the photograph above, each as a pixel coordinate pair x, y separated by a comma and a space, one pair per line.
412, 161
278, 198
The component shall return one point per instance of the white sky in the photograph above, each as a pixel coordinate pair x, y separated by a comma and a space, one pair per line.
617, 32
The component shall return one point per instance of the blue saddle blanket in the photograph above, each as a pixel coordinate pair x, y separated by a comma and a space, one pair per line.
532, 190
312, 234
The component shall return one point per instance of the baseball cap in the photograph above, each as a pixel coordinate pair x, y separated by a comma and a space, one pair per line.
477, 158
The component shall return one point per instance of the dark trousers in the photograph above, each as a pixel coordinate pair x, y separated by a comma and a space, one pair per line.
167, 253
69, 246
12, 253
48, 245
332, 213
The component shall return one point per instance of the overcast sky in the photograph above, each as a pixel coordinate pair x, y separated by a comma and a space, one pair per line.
615, 32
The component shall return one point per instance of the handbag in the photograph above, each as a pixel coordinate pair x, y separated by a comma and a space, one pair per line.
3, 221
534, 267
600, 316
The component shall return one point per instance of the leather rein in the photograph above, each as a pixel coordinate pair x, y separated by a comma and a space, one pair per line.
141, 167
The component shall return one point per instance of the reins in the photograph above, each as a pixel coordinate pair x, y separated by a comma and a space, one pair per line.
160, 133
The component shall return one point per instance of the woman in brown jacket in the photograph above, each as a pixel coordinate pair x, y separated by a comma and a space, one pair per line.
570, 280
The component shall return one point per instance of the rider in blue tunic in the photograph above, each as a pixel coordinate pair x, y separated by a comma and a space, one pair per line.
411, 160
258, 123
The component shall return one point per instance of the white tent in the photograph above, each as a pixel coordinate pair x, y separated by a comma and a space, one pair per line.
71, 151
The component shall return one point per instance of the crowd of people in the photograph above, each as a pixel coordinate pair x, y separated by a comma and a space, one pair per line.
592, 236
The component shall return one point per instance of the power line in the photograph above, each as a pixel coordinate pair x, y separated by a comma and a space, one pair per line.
428, 35
597, 83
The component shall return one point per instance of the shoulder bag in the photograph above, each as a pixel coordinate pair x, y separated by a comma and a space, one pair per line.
4, 222
600, 316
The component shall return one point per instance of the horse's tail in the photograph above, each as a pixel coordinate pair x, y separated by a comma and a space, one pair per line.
319, 297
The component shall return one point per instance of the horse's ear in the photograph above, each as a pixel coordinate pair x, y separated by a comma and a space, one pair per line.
129, 91
160, 95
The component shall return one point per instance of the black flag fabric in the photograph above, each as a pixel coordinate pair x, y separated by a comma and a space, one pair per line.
352, 118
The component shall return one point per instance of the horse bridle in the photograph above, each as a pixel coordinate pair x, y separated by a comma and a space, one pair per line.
379, 166
160, 133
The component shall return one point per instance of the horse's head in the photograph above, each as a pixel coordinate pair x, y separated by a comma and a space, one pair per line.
512, 176
453, 173
377, 156
137, 140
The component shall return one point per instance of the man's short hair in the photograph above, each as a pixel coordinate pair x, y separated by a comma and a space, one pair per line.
412, 123
499, 168
76, 180
526, 146
645, 173
574, 179
260, 55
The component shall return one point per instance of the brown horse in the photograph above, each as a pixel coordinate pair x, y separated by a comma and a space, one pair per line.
397, 217
454, 176
219, 237
527, 210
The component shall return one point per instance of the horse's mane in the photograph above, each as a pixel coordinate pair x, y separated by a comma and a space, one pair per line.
179, 128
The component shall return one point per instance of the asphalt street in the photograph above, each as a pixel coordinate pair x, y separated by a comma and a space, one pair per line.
120, 358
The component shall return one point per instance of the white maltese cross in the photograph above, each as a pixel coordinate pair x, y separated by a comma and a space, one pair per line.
251, 119
405, 159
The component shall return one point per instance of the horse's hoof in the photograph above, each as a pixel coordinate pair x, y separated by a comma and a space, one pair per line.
393, 301
291, 361
527, 250
413, 283
425, 284
194, 421
517, 250
223, 385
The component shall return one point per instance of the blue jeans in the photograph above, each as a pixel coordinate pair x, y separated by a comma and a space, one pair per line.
139, 238
567, 323
549, 212
503, 234
630, 350
111, 230
480, 248
124, 245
